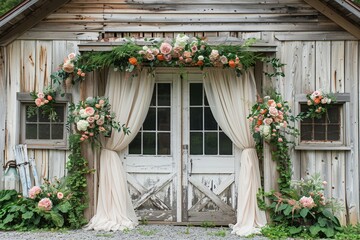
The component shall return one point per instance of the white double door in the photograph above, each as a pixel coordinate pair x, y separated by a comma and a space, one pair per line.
181, 167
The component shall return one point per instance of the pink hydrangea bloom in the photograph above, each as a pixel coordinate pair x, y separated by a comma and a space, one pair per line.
34, 191
45, 204
307, 202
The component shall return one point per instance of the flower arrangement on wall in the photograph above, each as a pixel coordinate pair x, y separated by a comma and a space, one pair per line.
318, 103
44, 102
92, 118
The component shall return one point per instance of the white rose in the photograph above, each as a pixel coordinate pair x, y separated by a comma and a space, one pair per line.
83, 113
201, 57
82, 125
181, 40
145, 48
328, 100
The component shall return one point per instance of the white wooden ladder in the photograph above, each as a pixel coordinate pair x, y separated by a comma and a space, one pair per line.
24, 163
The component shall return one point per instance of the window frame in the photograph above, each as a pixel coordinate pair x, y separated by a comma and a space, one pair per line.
342, 99
25, 98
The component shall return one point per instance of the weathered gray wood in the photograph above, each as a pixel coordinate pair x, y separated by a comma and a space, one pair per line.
352, 131
151, 215
157, 187
142, 190
223, 206
323, 61
313, 36
3, 96
222, 187
21, 158
221, 218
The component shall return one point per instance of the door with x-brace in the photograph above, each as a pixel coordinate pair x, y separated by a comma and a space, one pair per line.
181, 166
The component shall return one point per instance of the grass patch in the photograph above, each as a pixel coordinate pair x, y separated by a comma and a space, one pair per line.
146, 232
220, 233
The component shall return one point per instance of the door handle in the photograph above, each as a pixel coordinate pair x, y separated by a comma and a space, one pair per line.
191, 165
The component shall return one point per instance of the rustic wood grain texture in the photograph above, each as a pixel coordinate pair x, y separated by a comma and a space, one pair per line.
3, 96
352, 130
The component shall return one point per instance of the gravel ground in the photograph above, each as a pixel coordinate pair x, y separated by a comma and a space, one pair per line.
158, 232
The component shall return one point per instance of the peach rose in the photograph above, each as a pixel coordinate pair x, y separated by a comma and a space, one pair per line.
68, 66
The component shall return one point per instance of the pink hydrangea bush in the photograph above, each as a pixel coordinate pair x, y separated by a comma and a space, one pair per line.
305, 209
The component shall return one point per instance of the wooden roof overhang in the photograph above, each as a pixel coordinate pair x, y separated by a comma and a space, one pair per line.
24, 16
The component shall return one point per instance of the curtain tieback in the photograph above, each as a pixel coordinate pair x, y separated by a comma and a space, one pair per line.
248, 148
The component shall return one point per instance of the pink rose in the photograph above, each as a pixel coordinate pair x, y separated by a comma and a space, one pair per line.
96, 117
268, 121
91, 134
89, 111
60, 195
155, 51
223, 59
46, 101
188, 60
41, 95
324, 183
194, 48
100, 121
38, 102
90, 119
45, 204
273, 111
280, 140
82, 139
101, 101
34, 191
214, 55
168, 57
68, 66
71, 56
165, 48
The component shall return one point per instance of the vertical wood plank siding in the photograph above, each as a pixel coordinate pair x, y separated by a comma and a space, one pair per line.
331, 66
312, 64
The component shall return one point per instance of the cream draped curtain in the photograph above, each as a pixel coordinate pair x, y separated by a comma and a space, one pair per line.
130, 99
230, 99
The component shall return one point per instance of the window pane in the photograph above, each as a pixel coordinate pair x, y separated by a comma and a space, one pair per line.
225, 144
150, 120
33, 118
333, 133
206, 103
319, 132
57, 131
211, 144
43, 117
164, 94
153, 98
196, 118
149, 143
164, 119
196, 94
306, 132
44, 131
305, 108
135, 145
31, 131
210, 122
334, 114
164, 143
196, 143
60, 113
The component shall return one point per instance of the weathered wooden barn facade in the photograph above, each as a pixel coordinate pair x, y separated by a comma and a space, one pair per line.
318, 40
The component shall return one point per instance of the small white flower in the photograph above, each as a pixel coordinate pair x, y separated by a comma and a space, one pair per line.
201, 57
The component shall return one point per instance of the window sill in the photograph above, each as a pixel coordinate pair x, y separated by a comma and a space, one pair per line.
319, 147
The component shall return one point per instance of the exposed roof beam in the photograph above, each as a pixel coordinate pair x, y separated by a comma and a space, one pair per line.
334, 16
26, 23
